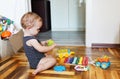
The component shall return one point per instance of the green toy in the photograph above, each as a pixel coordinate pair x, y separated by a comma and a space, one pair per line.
50, 42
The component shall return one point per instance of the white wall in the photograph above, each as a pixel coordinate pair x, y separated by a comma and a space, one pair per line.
14, 10
21, 7
102, 21
7, 8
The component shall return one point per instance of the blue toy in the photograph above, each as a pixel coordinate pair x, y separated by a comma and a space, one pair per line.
105, 65
59, 68
98, 64
74, 61
103, 62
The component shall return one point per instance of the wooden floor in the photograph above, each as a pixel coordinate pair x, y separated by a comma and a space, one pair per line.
16, 67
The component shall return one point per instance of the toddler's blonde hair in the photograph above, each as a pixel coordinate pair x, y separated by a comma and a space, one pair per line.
29, 19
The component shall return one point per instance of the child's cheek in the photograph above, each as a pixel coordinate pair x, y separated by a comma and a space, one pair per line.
36, 32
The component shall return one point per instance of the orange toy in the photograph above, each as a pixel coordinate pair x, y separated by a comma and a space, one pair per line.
5, 34
103, 59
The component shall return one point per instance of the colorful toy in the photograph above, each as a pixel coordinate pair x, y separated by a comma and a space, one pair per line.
7, 27
5, 34
103, 62
66, 56
59, 68
74, 60
65, 53
5, 21
105, 65
50, 42
81, 68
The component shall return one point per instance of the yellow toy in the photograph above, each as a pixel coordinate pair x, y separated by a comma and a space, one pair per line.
0, 27
65, 53
62, 54
80, 60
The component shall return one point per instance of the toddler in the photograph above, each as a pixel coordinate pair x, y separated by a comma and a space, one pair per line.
35, 50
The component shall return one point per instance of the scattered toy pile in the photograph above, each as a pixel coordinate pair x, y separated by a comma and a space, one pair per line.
66, 56
7, 27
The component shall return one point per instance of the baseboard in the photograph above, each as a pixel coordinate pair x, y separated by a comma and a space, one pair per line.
104, 45
68, 29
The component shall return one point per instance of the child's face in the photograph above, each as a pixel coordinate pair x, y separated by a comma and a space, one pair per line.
36, 28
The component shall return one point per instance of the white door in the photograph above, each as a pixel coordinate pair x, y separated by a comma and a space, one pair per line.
59, 14
76, 15
67, 15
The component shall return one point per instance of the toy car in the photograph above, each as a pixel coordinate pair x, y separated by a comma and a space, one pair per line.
81, 68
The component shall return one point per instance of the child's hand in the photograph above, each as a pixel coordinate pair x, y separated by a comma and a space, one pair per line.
44, 43
54, 45
50, 42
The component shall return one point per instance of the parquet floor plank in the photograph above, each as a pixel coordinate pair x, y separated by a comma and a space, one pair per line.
17, 66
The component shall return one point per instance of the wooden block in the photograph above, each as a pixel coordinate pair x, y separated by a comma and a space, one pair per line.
52, 77
55, 72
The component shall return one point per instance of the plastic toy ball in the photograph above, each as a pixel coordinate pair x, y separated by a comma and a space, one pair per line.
50, 42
